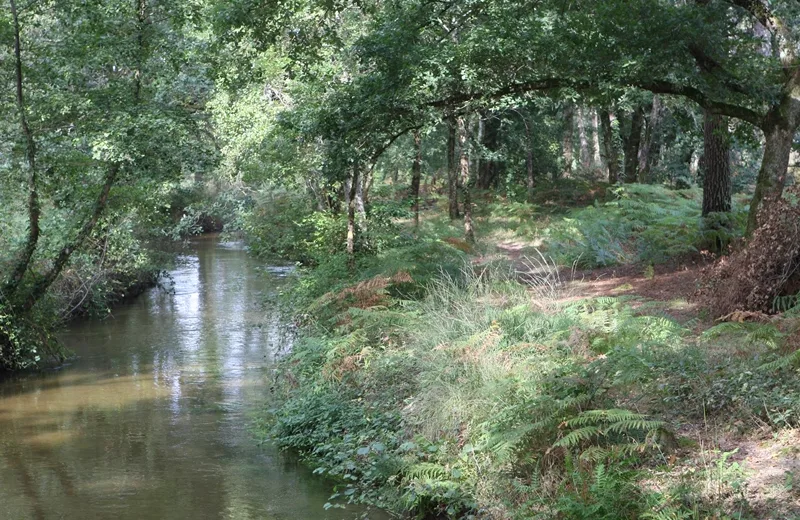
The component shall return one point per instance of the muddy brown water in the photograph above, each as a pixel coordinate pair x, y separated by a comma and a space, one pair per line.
153, 419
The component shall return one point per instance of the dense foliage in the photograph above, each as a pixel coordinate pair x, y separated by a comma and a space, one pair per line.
398, 152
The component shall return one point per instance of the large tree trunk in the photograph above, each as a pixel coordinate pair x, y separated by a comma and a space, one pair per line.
416, 176
452, 171
632, 146
610, 147
24, 257
586, 158
717, 163
771, 178
779, 128
466, 184
567, 141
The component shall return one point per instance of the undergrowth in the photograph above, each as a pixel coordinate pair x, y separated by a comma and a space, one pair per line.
472, 396
640, 224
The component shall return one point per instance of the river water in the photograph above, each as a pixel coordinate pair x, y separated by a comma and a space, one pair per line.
152, 420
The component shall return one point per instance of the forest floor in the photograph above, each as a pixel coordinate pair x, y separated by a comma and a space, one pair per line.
767, 461
461, 389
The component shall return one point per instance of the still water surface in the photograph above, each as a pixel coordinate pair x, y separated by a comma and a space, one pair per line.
152, 420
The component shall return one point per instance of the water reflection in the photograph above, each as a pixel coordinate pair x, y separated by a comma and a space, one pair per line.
151, 420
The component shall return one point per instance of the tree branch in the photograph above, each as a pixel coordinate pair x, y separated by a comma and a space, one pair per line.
654, 86
700, 97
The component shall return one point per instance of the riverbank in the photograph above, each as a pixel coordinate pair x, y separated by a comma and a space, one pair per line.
446, 380
152, 418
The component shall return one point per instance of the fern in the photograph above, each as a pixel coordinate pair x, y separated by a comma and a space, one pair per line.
782, 362
597, 426
427, 471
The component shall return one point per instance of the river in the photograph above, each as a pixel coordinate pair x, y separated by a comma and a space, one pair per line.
153, 419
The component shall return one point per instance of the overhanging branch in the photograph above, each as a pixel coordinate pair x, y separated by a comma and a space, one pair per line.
655, 86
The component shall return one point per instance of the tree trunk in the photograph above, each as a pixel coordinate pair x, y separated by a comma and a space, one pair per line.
24, 258
481, 169
350, 197
610, 147
361, 209
43, 283
632, 146
566, 143
779, 128
650, 146
597, 158
586, 158
772, 175
416, 176
469, 233
717, 163
452, 171
531, 177
488, 166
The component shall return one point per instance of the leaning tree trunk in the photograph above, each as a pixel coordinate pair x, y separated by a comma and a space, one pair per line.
610, 147
567, 141
416, 176
717, 165
466, 184
452, 171
632, 146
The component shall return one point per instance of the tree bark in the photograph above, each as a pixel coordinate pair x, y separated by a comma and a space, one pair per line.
771, 178
632, 146
567, 141
452, 172
361, 209
24, 258
416, 176
648, 155
717, 163
586, 158
531, 177
466, 184
597, 158
488, 168
350, 196
610, 147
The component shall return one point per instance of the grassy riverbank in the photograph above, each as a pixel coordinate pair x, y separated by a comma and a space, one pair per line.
440, 379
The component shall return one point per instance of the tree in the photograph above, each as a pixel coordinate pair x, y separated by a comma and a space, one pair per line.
452, 170
416, 176
85, 128
567, 146
632, 143
716, 165
609, 146
465, 177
